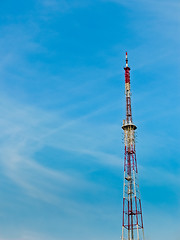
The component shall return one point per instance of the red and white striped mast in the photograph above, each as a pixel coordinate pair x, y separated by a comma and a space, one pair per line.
132, 224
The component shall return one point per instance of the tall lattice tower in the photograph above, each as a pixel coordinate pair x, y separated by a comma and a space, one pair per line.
132, 224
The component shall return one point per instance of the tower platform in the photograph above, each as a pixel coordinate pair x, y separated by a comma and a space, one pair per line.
128, 126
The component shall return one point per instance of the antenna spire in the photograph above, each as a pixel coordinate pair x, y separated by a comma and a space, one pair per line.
126, 60
127, 92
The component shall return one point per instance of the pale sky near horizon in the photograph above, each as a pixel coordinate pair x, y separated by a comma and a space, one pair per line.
61, 108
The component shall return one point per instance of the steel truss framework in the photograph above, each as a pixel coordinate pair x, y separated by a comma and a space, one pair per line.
132, 224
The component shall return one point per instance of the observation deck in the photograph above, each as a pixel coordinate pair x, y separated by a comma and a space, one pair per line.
128, 126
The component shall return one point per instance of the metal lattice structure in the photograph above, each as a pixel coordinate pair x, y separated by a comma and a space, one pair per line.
132, 224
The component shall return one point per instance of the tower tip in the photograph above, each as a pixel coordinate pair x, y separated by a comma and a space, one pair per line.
126, 60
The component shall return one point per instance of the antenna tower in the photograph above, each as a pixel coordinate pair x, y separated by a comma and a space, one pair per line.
132, 224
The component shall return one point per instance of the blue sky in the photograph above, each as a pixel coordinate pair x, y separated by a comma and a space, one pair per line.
62, 104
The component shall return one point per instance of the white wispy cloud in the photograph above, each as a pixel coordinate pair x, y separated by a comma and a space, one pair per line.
24, 130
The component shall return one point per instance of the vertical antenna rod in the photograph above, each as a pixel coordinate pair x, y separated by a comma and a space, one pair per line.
127, 88
132, 224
